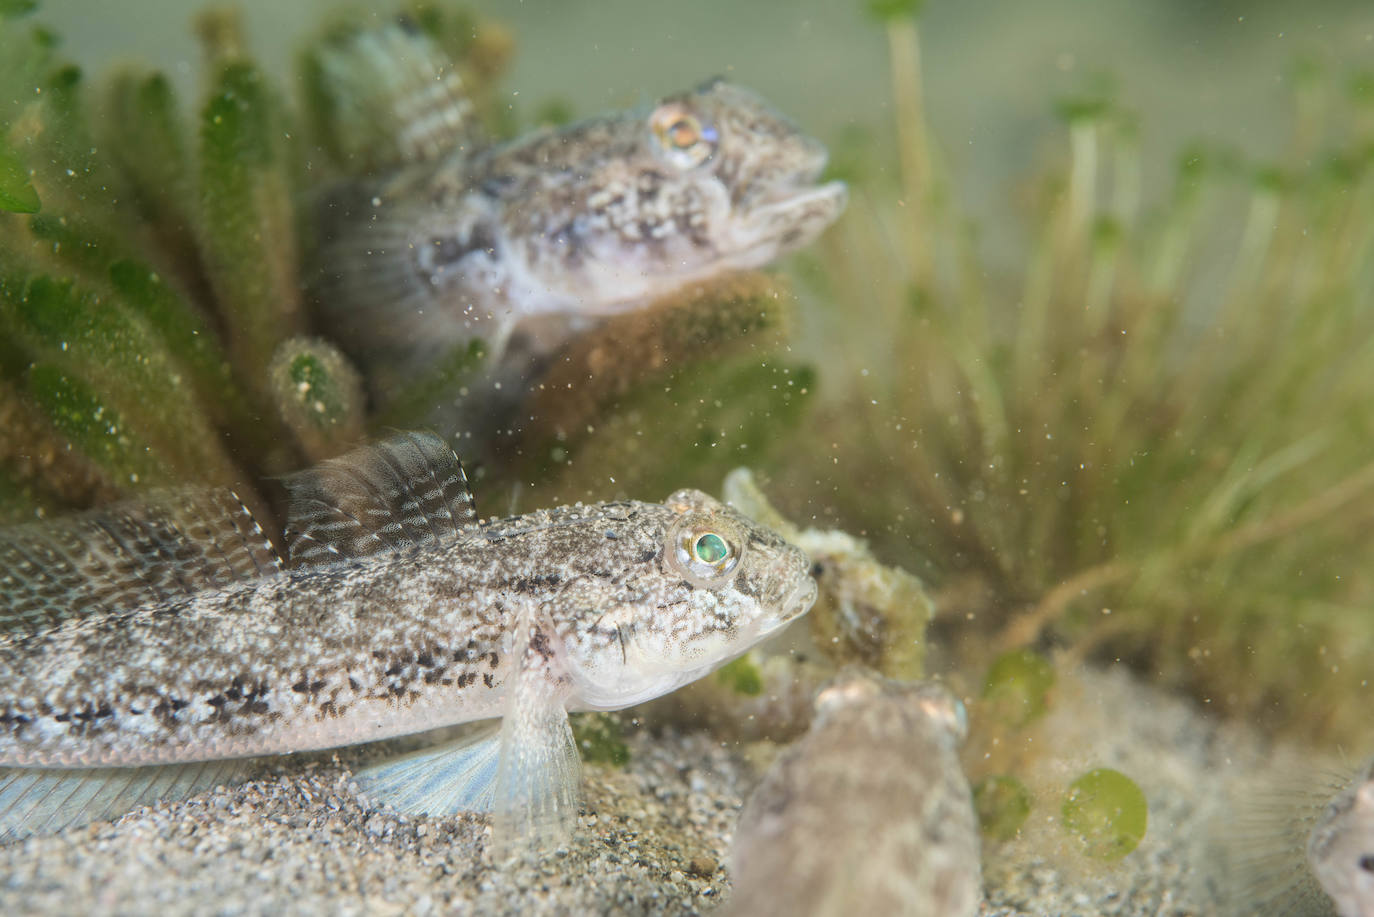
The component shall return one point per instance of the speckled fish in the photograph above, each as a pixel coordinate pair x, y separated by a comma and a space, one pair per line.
141, 649
595, 218
868, 813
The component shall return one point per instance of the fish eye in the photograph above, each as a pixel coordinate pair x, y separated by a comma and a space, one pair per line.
704, 550
685, 140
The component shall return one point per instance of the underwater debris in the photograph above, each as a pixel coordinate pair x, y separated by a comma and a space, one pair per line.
868, 813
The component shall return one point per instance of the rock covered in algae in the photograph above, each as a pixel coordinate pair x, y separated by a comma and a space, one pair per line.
868, 612
869, 813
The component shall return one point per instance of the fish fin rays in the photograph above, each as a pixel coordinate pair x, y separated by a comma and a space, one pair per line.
406, 491
44, 801
525, 771
390, 96
166, 546
442, 780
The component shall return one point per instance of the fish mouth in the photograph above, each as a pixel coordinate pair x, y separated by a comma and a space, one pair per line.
786, 218
799, 600
831, 196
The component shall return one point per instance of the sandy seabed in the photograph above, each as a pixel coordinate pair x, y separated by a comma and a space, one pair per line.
653, 838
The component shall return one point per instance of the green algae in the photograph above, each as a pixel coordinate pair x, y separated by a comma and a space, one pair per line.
1003, 804
600, 738
741, 676
1106, 812
16, 191
1017, 688
319, 395
246, 217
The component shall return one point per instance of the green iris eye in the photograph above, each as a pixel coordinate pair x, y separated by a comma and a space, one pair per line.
710, 548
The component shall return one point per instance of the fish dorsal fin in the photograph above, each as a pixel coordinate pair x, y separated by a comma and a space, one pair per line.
391, 96
406, 491
165, 547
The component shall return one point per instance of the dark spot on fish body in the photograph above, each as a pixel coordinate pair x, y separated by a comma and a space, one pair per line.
539, 642
495, 660
487, 679
466, 679
647, 556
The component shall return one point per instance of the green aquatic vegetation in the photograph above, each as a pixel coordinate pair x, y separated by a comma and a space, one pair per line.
1147, 442
600, 738
1106, 812
319, 395
16, 192
1003, 804
1016, 691
742, 676
668, 397
247, 218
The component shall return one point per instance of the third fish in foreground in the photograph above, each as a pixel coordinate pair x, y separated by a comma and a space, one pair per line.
868, 813
145, 649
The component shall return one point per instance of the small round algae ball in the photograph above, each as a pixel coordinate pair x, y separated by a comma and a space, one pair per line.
1107, 812
1003, 803
1018, 686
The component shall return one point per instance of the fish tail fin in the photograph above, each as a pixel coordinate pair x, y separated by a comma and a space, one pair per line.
43, 801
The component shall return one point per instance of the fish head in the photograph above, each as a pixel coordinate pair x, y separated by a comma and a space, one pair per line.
706, 585
618, 211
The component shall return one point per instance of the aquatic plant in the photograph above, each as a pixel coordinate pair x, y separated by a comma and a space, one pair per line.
1106, 812
154, 321
1150, 447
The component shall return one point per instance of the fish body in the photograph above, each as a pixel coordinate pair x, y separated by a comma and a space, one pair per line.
868, 813
561, 226
400, 612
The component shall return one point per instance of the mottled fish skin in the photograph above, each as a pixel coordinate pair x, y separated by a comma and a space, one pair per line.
868, 813
599, 217
1340, 849
606, 599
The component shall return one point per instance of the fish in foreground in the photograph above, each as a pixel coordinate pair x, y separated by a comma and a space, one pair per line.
1308, 853
144, 651
462, 241
868, 813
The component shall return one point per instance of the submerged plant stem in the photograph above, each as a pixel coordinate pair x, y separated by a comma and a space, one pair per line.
904, 46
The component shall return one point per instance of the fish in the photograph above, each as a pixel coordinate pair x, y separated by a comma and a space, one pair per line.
868, 813
555, 229
1305, 851
1340, 849
147, 649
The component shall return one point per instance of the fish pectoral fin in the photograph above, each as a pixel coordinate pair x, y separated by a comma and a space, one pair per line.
43, 801
446, 779
539, 779
538, 783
